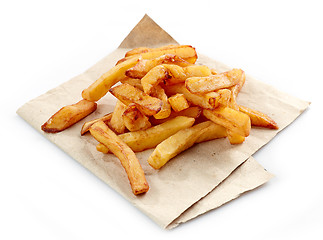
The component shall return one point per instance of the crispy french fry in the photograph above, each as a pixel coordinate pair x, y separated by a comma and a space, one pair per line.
192, 112
133, 82
151, 137
128, 94
102, 133
185, 52
214, 82
68, 115
102, 148
235, 138
102, 85
258, 118
178, 102
208, 100
134, 120
86, 126
176, 144
144, 65
154, 77
165, 110
214, 131
116, 123
231, 119
136, 51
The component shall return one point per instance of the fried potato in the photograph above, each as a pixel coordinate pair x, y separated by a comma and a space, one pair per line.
192, 112
207, 101
68, 115
133, 82
128, 94
178, 102
214, 82
102, 133
102, 85
185, 52
144, 65
258, 119
165, 110
116, 123
214, 131
134, 120
86, 126
231, 119
235, 138
154, 77
176, 144
151, 137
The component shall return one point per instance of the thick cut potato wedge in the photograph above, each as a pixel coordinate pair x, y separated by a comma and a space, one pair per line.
102, 133
192, 112
151, 137
68, 115
144, 65
128, 94
214, 82
208, 100
102, 85
165, 110
258, 119
185, 52
134, 120
178, 102
214, 131
231, 119
140, 50
86, 126
176, 144
116, 123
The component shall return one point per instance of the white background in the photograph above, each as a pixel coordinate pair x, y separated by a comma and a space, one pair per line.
45, 194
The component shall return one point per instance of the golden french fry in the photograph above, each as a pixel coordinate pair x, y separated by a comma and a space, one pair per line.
154, 77
178, 102
176, 144
192, 112
151, 137
207, 101
231, 119
102, 85
102, 133
68, 115
102, 148
185, 52
86, 126
133, 82
128, 94
214, 131
214, 82
236, 88
116, 123
235, 138
258, 118
165, 110
134, 120
144, 65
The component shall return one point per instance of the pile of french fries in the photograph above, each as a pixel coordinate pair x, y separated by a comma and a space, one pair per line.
164, 101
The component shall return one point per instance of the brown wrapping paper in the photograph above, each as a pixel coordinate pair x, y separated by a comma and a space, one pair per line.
190, 176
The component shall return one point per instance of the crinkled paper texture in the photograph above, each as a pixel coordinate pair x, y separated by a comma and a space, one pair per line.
179, 187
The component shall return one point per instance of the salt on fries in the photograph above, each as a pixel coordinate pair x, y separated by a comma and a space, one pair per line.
164, 101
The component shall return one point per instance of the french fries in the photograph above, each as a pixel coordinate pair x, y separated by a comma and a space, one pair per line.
101, 86
116, 123
129, 94
178, 102
134, 120
151, 137
164, 101
127, 157
214, 82
68, 115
